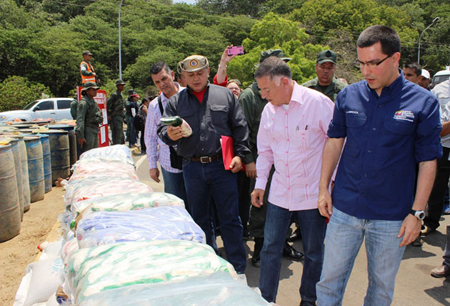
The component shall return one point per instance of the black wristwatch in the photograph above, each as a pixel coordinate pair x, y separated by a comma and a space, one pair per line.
419, 214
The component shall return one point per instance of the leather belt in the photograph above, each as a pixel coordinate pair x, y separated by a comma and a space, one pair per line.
205, 159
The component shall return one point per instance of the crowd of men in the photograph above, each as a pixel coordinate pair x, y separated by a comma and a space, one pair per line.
389, 134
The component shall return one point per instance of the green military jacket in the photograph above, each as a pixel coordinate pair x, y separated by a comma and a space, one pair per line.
330, 91
73, 109
89, 116
115, 105
252, 106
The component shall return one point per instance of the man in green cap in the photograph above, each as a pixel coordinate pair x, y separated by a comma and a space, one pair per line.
89, 117
115, 113
86, 70
326, 82
252, 106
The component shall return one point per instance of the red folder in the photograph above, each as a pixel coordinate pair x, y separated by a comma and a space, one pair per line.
228, 151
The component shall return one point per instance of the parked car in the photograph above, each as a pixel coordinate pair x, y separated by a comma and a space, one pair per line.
441, 76
51, 108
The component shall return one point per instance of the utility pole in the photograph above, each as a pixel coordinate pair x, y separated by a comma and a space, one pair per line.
120, 45
420, 37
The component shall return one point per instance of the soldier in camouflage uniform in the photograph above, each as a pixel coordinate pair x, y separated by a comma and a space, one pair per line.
115, 113
326, 82
89, 117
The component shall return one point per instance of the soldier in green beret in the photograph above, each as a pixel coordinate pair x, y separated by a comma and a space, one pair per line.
89, 116
116, 114
326, 82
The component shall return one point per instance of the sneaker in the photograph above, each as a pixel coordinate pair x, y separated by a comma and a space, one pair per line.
446, 210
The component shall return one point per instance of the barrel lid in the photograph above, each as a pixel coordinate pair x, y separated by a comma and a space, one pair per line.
26, 126
29, 137
64, 127
7, 128
5, 140
54, 132
5, 147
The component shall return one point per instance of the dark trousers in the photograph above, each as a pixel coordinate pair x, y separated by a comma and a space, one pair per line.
244, 198
143, 147
437, 196
211, 179
116, 126
257, 217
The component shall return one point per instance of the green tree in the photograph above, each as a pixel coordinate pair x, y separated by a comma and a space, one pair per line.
16, 92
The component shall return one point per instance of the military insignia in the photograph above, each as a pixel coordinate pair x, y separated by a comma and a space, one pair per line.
193, 63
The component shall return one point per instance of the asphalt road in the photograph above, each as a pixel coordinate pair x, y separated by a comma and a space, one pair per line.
414, 284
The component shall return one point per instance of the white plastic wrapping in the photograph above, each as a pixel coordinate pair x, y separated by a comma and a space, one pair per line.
105, 267
95, 187
119, 153
87, 168
127, 201
162, 223
218, 289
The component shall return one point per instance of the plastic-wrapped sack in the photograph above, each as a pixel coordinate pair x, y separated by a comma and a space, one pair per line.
41, 280
105, 267
88, 168
95, 188
218, 289
162, 223
127, 202
119, 153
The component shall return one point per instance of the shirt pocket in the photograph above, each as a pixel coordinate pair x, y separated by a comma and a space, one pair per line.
355, 120
219, 114
402, 127
300, 139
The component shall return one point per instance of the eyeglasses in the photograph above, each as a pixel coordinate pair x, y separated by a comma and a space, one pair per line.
371, 64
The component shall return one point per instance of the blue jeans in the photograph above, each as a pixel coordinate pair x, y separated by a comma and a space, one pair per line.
203, 181
313, 227
344, 237
174, 184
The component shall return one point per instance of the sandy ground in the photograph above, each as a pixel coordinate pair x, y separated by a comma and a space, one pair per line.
17, 253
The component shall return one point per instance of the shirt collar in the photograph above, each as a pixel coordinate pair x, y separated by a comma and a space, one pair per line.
180, 88
395, 86
297, 94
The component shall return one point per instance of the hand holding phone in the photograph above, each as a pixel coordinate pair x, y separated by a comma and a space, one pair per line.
235, 50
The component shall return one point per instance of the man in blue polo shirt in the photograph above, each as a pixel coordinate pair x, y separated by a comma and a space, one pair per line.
389, 125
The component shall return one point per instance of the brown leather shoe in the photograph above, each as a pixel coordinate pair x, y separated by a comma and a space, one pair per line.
442, 271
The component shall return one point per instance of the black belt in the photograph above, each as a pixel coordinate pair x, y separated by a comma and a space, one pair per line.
205, 159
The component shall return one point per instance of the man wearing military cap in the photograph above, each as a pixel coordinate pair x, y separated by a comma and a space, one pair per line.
87, 71
212, 111
89, 116
115, 113
326, 82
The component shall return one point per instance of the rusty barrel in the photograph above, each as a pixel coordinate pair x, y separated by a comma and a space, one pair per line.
10, 217
35, 168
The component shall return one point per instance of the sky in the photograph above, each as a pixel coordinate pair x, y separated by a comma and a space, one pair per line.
185, 1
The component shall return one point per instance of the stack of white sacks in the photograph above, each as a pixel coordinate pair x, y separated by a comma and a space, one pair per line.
124, 244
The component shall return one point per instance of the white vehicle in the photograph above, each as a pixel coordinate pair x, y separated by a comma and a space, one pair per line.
441, 76
51, 108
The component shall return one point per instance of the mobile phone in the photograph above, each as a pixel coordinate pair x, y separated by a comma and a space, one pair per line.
235, 50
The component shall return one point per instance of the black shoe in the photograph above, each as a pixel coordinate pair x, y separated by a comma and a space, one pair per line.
256, 258
296, 235
291, 253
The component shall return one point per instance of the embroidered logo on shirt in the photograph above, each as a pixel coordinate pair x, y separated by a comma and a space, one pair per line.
352, 112
404, 115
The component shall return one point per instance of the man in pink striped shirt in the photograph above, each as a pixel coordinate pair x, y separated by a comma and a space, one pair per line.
157, 150
291, 136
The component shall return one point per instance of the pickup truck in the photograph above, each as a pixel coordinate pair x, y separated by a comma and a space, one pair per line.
51, 108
